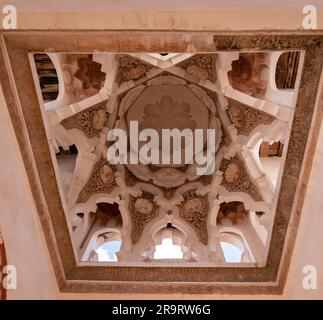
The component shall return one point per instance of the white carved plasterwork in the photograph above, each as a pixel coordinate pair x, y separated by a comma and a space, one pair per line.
278, 110
167, 103
65, 105
166, 96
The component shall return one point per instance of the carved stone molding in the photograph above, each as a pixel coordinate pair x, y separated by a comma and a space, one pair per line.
266, 42
245, 118
142, 210
194, 210
237, 179
101, 181
91, 121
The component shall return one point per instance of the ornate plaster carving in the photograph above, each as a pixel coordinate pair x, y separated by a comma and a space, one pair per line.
91, 121
167, 114
268, 279
246, 118
102, 180
131, 68
201, 66
142, 209
237, 179
194, 210
167, 102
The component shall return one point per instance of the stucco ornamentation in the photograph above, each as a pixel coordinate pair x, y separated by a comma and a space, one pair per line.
210, 279
167, 114
245, 118
99, 119
90, 121
237, 178
131, 68
143, 206
232, 172
194, 211
201, 66
106, 175
101, 181
142, 210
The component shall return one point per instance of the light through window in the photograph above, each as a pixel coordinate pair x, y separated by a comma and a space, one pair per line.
231, 252
168, 250
107, 252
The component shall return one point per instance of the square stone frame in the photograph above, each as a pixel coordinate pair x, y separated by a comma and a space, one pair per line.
25, 111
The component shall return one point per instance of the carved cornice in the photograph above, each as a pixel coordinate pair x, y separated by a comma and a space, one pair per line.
266, 42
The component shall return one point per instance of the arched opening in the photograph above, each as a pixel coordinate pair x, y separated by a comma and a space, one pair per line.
232, 254
107, 251
246, 74
234, 248
108, 214
97, 228
256, 218
47, 76
168, 250
169, 243
106, 247
286, 70
111, 246
270, 159
66, 160
232, 211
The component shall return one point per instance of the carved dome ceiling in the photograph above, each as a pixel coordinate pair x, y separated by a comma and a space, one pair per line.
140, 205
225, 92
